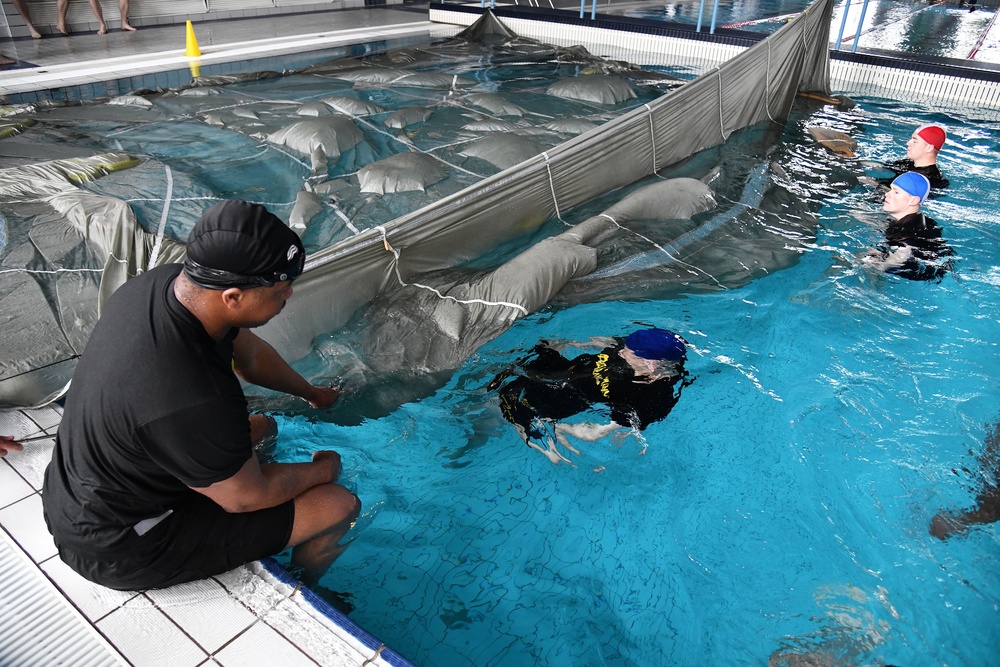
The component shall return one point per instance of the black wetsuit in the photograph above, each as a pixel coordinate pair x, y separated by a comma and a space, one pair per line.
547, 385
929, 260
931, 171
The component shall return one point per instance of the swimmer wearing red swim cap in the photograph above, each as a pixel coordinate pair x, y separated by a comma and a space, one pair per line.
921, 156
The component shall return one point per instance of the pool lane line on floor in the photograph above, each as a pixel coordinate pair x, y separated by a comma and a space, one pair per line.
93, 71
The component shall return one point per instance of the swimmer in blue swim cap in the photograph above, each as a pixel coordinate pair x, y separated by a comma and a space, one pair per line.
639, 378
913, 246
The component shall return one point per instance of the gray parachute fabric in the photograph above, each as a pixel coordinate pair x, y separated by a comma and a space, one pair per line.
487, 29
757, 85
403, 172
388, 228
408, 116
495, 104
322, 138
74, 250
455, 317
596, 88
351, 107
503, 149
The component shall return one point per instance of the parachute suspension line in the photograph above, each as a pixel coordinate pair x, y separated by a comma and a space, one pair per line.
445, 162
385, 244
693, 269
274, 147
50, 271
434, 290
609, 218
722, 121
347, 221
409, 145
644, 238
767, 84
153, 256
652, 133
552, 188
120, 260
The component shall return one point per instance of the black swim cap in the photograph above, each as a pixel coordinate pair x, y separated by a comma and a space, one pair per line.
656, 344
239, 244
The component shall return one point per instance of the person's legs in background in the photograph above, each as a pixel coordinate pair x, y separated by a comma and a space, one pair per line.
22, 9
123, 7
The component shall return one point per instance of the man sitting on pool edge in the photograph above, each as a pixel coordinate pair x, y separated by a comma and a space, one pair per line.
638, 377
913, 246
153, 480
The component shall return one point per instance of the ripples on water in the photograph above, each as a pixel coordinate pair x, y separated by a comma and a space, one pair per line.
781, 511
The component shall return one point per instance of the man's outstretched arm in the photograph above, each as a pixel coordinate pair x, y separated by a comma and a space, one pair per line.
257, 362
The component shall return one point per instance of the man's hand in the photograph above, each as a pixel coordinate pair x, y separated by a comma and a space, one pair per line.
7, 444
257, 362
324, 396
331, 458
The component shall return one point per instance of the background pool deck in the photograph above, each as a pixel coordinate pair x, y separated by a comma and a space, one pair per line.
250, 616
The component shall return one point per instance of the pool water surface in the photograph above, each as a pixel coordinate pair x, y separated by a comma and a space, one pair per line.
782, 509
913, 27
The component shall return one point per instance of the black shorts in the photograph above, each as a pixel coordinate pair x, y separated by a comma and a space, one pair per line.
197, 540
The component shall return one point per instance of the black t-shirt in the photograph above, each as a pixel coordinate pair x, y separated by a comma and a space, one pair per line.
154, 408
931, 171
930, 252
550, 386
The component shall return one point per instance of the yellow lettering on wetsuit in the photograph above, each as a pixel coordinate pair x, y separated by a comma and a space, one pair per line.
601, 375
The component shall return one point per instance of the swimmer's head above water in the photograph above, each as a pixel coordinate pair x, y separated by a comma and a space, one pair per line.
905, 195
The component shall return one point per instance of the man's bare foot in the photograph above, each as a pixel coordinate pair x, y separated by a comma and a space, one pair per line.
103, 30
34, 33
128, 26
61, 27
6, 61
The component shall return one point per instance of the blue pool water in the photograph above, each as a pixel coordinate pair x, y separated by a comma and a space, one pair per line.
914, 26
782, 508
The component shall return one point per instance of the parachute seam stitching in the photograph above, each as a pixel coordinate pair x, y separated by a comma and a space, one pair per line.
552, 187
163, 219
652, 132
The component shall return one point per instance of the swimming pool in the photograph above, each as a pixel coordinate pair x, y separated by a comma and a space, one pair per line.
774, 503
940, 29
782, 507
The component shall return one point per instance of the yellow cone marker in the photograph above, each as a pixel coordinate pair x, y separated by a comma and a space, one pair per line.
192, 50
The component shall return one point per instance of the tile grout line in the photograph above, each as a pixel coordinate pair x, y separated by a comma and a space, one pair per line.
261, 619
22, 498
155, 605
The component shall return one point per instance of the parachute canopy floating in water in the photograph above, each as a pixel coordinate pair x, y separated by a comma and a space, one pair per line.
189, 148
